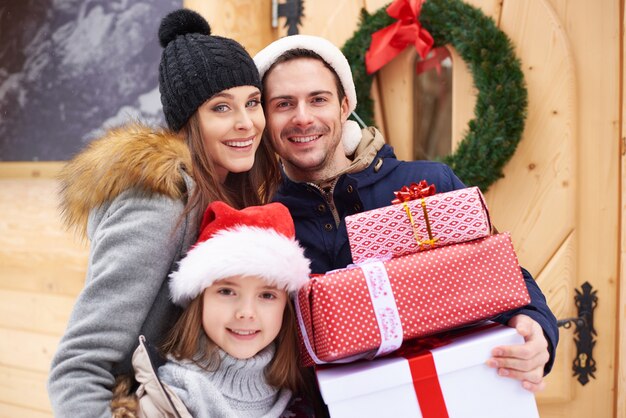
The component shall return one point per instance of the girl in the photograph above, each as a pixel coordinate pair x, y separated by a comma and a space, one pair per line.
138, 194
233, 351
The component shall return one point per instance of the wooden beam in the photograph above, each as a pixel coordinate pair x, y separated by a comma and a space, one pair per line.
36, 312
23, 388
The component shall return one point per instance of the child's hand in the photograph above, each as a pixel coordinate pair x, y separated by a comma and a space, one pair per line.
524, 362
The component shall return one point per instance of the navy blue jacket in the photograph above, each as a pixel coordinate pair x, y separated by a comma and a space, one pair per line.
327, 246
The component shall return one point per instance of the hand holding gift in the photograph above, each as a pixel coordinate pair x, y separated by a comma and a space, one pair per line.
523, 362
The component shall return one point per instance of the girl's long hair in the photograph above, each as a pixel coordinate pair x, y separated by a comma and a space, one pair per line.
254, 187
187, 340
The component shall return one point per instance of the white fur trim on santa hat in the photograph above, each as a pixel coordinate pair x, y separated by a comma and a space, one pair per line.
241, 251
322, 47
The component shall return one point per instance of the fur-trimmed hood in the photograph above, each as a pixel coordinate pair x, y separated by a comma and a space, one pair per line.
132, 156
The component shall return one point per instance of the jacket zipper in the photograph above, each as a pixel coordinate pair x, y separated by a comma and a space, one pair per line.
328, 197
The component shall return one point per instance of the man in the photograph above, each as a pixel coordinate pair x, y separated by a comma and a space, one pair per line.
333, 170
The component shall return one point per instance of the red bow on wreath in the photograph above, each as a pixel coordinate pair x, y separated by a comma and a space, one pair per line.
390, 41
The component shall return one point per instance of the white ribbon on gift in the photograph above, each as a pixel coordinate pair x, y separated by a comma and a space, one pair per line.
385, 310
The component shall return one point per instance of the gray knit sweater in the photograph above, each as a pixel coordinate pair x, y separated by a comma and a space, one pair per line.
238, 388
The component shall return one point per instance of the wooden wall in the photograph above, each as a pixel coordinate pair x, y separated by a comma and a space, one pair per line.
42, 269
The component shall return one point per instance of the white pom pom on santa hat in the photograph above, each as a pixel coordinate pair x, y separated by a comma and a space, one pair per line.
255, 241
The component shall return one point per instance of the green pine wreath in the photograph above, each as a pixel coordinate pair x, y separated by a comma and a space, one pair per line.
500, 111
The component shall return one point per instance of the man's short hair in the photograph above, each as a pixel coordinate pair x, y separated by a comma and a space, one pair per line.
297, 53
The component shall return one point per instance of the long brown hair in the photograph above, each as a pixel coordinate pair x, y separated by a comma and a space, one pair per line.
187, 340
254, 187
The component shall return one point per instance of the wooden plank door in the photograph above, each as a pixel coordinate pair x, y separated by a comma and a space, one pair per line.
560, 192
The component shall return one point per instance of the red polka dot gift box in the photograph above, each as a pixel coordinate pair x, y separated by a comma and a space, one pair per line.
371, 308
444, 376
419, 219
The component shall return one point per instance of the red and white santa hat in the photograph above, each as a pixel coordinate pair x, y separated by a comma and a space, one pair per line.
264, 59
255, 241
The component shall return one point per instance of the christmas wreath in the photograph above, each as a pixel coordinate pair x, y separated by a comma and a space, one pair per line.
500, 111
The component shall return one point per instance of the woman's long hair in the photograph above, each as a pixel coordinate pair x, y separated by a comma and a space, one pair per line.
254, 187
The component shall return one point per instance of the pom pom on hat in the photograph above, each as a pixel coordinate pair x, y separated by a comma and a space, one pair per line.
182, 22
255, 241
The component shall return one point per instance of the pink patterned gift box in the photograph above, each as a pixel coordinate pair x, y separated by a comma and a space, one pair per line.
447, 218
377, 305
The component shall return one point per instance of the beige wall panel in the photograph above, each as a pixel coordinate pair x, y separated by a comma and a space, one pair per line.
379, 115
11, 411
463, 90
42, 269
373, 5
23, 388
536, 199
620, 324
463, 97
247, 21
597, 64
595, 107
37, 252
335, 20
47, 169
45, 275
37, 312
555, 281
28, 351
396, 82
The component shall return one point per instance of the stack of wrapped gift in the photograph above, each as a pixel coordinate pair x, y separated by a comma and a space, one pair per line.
426, 264
445, 377
446, 272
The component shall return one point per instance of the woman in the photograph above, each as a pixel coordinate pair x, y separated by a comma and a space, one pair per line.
138, 194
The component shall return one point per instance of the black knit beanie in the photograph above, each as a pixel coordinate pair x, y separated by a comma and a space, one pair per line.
195, 65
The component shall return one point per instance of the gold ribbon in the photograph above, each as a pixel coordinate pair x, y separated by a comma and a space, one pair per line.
431, 240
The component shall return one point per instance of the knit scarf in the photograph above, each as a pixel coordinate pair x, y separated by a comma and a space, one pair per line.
238, 388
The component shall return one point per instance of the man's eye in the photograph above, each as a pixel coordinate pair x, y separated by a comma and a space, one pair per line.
282, 104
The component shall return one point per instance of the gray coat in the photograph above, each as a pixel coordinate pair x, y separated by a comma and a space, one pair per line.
126, 191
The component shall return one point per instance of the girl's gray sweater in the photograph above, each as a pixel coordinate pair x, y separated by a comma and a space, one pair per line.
238, 388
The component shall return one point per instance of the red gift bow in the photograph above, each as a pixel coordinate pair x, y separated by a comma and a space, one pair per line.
424, 373
414, 191
390, 41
